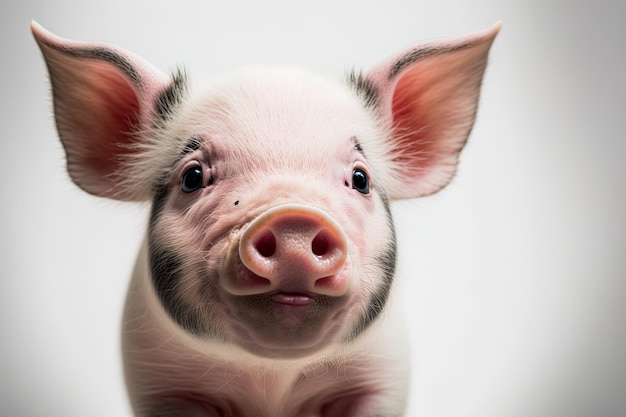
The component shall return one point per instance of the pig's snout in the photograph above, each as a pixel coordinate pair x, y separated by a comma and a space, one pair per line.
293, 249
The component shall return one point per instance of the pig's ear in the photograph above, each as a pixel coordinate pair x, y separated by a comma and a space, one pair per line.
428, 96
105, 99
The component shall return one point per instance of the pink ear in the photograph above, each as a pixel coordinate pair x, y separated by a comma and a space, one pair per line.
103, 98
429, 96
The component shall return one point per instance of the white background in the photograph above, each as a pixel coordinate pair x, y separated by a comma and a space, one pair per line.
517, 270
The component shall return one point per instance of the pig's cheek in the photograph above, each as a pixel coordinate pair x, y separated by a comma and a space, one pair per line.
351, 270
373, 224
361, 238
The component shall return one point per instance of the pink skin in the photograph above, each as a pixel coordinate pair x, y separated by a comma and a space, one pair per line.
292, 249
265, 289
305, 282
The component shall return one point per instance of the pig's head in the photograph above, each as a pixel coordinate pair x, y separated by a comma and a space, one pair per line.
270, 226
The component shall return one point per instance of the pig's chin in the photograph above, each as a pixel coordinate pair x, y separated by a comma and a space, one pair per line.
285, 325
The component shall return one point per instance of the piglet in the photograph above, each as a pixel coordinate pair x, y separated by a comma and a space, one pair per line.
265, 284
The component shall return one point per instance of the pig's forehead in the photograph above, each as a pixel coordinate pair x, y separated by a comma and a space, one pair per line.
269, 109
265, 119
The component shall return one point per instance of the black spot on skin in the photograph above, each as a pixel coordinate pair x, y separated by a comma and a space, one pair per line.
103, 54
115, 59
170, 98
237, 202
386, 263
418, 54
358, 147
158, 203
193, 144
161, 190
167, 269
160, 185
165, 265
364, 88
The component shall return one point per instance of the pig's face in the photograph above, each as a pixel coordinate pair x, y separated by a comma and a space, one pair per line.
270, 226
270, 230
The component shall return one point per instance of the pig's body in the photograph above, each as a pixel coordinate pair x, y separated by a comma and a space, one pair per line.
265, 284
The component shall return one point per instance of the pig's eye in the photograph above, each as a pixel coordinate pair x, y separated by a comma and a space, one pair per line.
360, 181
192, 180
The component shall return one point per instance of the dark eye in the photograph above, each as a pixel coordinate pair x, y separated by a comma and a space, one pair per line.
360, 181
192, 180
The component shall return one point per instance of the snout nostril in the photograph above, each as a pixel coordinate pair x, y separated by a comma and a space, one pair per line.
266, 244
291, 249
320, 245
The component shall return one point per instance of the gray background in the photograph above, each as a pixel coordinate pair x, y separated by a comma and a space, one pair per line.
515, 272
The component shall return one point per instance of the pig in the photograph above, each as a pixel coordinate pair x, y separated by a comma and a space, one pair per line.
265, 285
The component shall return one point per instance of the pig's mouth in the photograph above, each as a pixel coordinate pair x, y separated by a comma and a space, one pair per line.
284, 325
289, 299
286, 298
